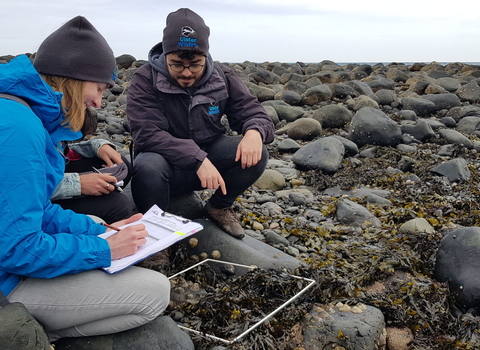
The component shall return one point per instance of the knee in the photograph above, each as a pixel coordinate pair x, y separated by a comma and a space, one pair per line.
156, 290
148, 161
124, 207
148, 164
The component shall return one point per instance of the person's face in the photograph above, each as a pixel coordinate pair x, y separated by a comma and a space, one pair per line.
184, 77
92, 94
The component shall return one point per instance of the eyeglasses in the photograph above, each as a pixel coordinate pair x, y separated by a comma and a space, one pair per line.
194, 68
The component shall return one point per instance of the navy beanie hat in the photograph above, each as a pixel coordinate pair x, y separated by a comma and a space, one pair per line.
185, 30
77, 50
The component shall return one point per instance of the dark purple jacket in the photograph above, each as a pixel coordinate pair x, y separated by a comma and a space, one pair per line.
177, 123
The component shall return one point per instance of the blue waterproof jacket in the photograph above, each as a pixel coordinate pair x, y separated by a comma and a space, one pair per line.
38, 239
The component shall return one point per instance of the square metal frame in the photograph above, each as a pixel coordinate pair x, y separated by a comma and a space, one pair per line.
271, 314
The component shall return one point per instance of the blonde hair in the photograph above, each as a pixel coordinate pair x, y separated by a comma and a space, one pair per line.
72, 102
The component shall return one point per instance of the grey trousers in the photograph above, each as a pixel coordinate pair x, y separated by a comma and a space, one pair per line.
94, 302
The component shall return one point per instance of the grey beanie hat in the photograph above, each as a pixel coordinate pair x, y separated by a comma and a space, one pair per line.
77, 50
185, 30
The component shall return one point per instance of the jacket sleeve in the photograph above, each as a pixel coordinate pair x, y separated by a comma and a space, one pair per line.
244, 111
37, 238
89, 148
148, 125
69, 187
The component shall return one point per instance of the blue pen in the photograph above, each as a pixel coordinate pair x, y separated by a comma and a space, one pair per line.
114, 184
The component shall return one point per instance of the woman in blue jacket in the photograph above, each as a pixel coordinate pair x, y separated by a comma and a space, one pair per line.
50, 257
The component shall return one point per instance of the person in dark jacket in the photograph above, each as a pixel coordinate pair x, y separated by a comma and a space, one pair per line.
50, 258
175, 106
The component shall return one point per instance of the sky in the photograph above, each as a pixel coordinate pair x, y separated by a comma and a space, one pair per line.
259, 31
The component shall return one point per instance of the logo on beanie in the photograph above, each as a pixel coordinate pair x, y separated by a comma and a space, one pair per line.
187, 30
187, 42
115, 73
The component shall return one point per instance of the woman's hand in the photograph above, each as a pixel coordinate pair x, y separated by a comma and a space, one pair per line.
109, 155
126, 242
95, 184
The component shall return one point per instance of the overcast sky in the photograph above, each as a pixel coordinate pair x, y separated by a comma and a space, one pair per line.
267, 30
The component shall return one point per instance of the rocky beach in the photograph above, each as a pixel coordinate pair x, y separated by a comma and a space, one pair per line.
372, 187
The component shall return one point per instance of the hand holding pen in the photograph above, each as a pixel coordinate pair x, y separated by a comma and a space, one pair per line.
118, 188
126, 240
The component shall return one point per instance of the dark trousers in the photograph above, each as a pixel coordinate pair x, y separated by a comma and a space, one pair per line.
155, 180
110, 207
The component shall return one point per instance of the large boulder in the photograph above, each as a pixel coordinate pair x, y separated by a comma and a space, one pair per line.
458, 264
370, 126
19, 330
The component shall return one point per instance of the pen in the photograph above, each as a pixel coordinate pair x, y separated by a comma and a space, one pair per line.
114, 184
110, 226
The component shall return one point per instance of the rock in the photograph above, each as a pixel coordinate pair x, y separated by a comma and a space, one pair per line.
333, 116
373, 198
458, 113
360, 87
455, 137
159, 334
351, 213
397, 75
399, 338
364, 101
275, 238
305, 129
372, 126
316, 94
469, 92
468, 125
421, 130
434, 89
247, 251
328, 327
125, 61
443, 101
272, 113
457, 263
421, 106
261, 92
325, 154
448, 83
350, 147
20, 331
342, 91
291, 97
416, 226
270, 180
288, 113
408, 115
454, 170
381, 83
296, 86
288, 145
386, 97
449, 122
262, 76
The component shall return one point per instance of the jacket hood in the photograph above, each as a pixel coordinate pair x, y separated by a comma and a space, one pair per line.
20, 78
156, 58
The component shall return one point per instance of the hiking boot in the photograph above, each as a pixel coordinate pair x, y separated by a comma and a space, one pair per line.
226, 219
